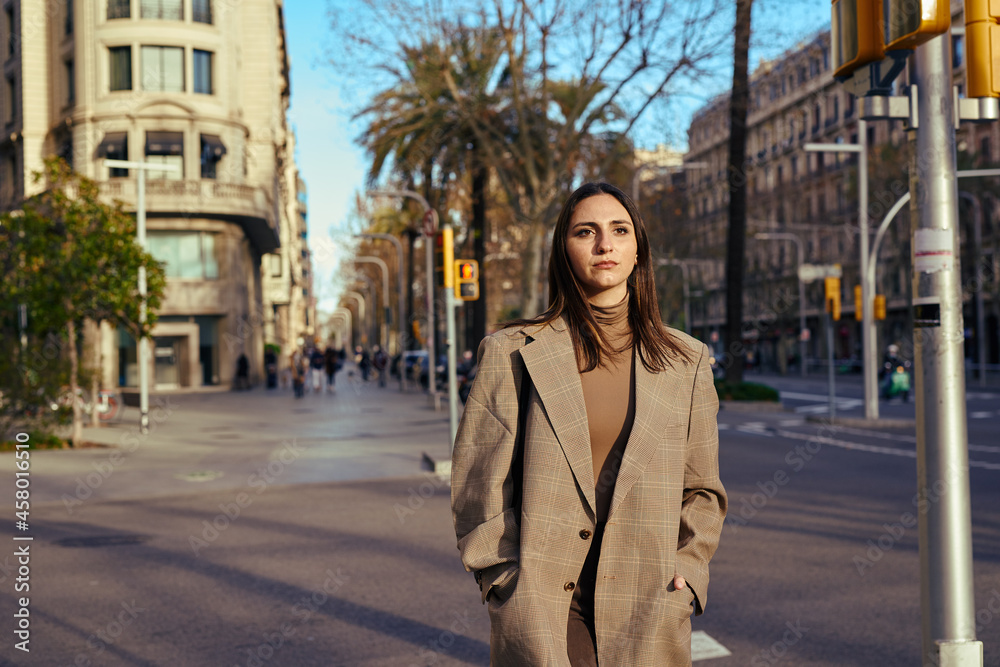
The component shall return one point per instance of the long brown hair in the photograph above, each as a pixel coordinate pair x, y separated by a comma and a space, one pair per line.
657, 347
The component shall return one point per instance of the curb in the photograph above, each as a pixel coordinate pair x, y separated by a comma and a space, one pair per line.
861, 422
437, 467
752, 406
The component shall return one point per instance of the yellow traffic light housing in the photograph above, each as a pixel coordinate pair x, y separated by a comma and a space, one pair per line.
444, 258
879, 306
855, 35
466, 279
982, 48
910, 23
832, 288
859, 310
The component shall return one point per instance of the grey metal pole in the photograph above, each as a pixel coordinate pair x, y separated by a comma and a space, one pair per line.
868, 352
387, 310
946, 589
977, 244
373, 308
361, 315
143, 356
831, 377
401, 306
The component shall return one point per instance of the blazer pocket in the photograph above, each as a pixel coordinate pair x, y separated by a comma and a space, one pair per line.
500, 590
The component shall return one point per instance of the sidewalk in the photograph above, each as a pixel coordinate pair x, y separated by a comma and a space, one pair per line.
211, 441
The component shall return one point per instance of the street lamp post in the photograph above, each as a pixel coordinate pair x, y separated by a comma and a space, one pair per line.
345, 313
786, 236
140, 235
386, 310
361, 315
868, 352
401, 323
373, 305
430, 227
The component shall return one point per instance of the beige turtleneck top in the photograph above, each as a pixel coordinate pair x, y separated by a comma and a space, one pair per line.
609, 396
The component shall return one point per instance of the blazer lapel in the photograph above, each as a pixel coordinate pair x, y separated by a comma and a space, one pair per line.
655, 399
551, 363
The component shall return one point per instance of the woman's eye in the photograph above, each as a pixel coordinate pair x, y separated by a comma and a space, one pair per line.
621, 230
583, 232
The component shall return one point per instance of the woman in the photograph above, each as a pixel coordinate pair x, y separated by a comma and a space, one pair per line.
590, 515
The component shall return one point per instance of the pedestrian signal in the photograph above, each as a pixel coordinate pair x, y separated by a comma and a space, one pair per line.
855, 36
466, 279
832, 288
982, 48
910, 23
879, 306
444, 258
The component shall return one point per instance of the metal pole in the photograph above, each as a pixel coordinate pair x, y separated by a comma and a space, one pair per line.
868, 351
361, 316
401, 323
429, 241
373, 308
387, 314
946, 588
831, 377
977, 244
143, 357
450, 342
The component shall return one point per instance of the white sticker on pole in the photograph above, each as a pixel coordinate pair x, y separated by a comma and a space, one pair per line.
934, 250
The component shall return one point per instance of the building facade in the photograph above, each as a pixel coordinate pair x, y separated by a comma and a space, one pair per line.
813, 196
201, 86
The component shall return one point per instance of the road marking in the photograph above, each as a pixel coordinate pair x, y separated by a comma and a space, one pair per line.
703, 647
873, 449
723, 427
791, 422
842, 404
979, 396
200, 476
980, 415
812, 397
906, 438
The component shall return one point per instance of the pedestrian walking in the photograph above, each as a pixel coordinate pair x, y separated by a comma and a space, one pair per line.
331, 364
585, 485
242, 372
364, 363
316, 367
381, 362
298, 368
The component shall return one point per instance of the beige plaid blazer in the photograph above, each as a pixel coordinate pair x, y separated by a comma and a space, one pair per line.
666, 514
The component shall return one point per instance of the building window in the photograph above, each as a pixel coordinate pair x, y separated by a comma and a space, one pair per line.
69, 17
170, 10
849, 106
70, 82
201, 11
957, 51
114, 146
816, 117
187, 255
10, 109
120, 59
275, 265
203, 72
163, 69
166, 148
212, 150
119, 9
11, 31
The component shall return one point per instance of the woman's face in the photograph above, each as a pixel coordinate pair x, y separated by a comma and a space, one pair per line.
602, 248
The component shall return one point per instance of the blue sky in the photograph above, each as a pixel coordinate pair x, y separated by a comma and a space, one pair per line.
334, 167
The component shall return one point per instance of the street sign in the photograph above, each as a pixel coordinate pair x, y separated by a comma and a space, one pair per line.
812, 272
430, 226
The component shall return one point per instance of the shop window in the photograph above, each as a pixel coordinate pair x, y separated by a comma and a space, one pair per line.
186, 255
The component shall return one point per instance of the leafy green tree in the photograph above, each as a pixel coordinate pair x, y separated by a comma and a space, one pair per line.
70, 256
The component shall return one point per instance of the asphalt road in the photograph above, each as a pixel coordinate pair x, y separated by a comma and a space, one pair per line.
344, 553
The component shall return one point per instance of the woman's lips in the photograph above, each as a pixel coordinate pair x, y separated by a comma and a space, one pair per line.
605, 265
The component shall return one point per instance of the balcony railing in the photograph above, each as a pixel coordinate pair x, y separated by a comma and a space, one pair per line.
249, 206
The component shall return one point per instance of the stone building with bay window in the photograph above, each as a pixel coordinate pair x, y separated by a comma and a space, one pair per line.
201, 86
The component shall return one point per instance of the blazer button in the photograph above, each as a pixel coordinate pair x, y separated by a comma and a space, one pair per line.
584, 534
569, 586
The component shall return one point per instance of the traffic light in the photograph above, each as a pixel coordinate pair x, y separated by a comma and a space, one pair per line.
444, 258
982, 48
910, 23
879, 306
855, 35
832, 286
859, 310
466, 279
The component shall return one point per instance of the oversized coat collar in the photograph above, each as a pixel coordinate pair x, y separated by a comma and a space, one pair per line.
551, 363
